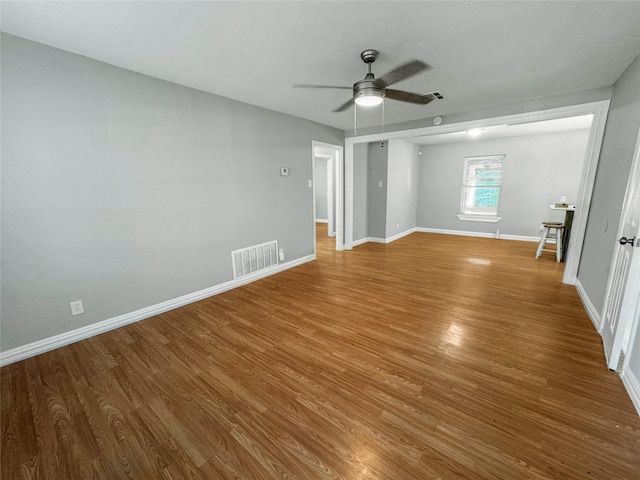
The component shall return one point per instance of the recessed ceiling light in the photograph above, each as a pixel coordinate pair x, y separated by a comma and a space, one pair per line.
474, 132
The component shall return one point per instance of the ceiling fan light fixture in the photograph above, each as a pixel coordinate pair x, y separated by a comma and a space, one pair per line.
369, 99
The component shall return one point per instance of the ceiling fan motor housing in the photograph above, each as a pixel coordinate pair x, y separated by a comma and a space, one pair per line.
367, 87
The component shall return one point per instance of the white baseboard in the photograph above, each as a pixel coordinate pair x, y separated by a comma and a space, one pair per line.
593, 313
467, 233
383, 240
376, 240
632, 385
455, 232
322, 220
522, 238
400, 235
51, 343
360, 241
519, 238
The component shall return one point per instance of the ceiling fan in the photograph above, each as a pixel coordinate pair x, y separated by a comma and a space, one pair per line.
372, 91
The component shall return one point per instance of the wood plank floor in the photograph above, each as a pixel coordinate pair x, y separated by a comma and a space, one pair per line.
433, 357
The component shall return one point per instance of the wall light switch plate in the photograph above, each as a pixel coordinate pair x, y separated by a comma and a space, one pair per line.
76, 307
284, 171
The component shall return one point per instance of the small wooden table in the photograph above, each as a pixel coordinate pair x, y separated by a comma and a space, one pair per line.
568, 220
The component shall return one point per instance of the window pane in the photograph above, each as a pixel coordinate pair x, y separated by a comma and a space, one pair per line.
486, 197
482, 180
493, 173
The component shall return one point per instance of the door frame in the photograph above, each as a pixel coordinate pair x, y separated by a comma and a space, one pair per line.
630, 302
598, 109
331, 191
336, 153
331, 198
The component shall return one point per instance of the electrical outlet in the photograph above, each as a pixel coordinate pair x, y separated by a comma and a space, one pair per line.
76, 307
281, 254
310, 183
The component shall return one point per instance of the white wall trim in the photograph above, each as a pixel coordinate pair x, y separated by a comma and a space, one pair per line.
462, 233
519, 238
355, 243
466, 233
376, 240
465, 217
593, 313
51, 343
600, 111
632, 385
322, 220
398, 236
360, 241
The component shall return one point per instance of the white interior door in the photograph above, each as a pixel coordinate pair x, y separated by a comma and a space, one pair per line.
623, 287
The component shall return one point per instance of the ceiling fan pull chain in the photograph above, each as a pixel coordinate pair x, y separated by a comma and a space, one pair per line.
382, 130
355, 119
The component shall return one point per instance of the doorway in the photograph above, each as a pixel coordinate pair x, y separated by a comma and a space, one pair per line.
324, 192
599, 111
327, 167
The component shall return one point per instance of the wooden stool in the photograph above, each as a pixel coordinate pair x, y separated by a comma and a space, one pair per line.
548, 235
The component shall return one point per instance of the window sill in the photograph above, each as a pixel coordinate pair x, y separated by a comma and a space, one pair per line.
479, 218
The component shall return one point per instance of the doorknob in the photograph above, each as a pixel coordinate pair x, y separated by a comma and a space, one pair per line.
625, 240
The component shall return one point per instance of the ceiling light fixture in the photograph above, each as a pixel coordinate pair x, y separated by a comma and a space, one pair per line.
369, 97
474, 132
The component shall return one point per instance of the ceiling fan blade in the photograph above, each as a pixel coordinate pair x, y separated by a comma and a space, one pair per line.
408, 96
344, 106
304, 85
403, 71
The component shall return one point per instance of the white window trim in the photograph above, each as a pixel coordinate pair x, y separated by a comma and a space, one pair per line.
467, 217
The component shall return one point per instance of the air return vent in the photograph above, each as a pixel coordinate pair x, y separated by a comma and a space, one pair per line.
253, 259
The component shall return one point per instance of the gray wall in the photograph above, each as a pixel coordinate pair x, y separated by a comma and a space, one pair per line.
611, 181
377, 195
320, 182
538, 169
360, 191
612, 175
125, 191
402, 187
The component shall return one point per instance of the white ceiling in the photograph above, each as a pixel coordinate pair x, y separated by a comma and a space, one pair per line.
481, 54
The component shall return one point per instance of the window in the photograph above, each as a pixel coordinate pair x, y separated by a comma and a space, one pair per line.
481, 184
